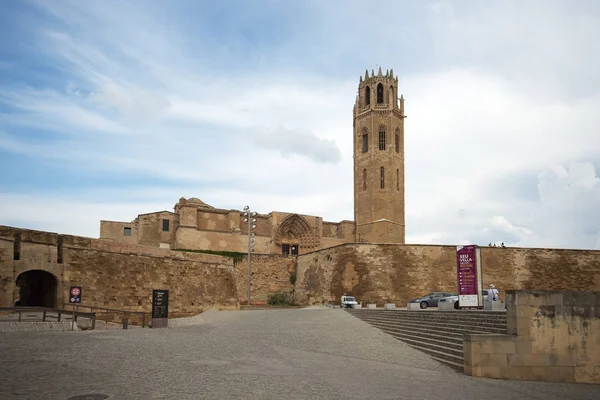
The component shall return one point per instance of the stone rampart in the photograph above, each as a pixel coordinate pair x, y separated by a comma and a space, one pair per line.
388, 273
116, 275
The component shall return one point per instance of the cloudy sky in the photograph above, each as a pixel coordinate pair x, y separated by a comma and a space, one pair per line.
114, 108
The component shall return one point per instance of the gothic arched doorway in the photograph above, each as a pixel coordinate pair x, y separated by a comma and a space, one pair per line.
37, 288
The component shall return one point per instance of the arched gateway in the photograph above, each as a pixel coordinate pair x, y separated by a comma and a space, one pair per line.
37, 288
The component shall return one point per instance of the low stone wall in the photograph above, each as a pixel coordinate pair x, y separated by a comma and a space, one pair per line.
553, 336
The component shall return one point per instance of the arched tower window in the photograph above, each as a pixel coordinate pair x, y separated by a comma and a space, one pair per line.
392, 99
397, 140
381, 178
367, 95
398, 179
365, 140
380, 94
382, 137
364, 179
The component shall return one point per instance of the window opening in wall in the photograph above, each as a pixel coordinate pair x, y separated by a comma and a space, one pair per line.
382, 177
364, 179
165, 225
365, 144
294, 249
380, 94
397, 143
367, 95
285, 249
397, 179
126, 231
17, 247
382, 138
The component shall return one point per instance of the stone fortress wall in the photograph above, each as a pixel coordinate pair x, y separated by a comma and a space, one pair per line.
115, 275
120, 275
388, 273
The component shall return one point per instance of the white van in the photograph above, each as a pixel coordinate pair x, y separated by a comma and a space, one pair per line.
348, 302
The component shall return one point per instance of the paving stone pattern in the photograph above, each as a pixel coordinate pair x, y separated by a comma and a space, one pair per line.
256, 354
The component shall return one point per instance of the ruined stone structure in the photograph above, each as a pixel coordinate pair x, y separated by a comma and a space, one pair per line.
379, 160
196, 225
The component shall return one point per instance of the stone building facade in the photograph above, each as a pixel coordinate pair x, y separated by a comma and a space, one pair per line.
378, 196
196, 225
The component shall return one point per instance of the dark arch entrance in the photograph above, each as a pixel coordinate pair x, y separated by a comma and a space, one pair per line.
37, 288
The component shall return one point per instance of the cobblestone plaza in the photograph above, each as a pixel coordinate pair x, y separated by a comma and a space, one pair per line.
314, 353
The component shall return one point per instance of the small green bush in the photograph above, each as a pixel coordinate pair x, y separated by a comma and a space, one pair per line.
280, 299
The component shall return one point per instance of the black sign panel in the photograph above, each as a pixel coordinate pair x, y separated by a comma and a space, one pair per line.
75, 294
160, 304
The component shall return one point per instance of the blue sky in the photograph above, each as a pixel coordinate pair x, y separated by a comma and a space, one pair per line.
110, 109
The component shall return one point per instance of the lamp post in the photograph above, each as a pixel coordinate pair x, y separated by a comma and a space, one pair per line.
250, 219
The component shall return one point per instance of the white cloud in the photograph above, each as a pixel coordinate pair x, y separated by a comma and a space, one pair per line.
501, 135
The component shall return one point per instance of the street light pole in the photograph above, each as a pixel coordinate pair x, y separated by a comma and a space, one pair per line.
251, 220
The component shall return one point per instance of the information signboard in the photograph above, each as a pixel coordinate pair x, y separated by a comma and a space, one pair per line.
160, 303
468, 261
75, 294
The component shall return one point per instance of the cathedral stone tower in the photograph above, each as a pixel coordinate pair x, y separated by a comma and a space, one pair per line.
379, 159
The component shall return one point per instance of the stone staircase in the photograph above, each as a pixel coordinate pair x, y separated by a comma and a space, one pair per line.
436, 333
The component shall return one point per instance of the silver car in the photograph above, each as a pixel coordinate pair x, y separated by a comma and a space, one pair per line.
431, 299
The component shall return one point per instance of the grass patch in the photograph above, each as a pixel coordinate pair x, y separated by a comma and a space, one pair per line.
237, 256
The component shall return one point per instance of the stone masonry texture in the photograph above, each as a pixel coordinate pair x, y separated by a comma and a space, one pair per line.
396, 273
553, 336
117, 275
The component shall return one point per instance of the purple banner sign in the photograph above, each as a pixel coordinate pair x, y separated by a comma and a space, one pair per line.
466, 260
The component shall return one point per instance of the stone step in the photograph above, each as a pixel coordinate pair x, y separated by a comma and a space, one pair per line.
467, 328
449, 360
433, 317
427, 316
450, 337
482, 324
439, 351
452, 346
432, 312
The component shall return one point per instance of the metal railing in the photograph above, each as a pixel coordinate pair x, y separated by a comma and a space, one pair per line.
47, 314
107, 311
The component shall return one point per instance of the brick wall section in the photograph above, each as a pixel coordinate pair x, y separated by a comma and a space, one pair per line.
396, 273
270, 274
118, 275
553, 336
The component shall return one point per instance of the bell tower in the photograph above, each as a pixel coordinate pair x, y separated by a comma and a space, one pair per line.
379, 159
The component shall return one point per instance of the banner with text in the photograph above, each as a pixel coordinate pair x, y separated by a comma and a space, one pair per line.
468, 260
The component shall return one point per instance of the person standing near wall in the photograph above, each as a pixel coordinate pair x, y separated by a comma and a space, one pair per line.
493, 293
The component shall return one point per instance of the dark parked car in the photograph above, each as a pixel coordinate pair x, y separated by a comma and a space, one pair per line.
431, 299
